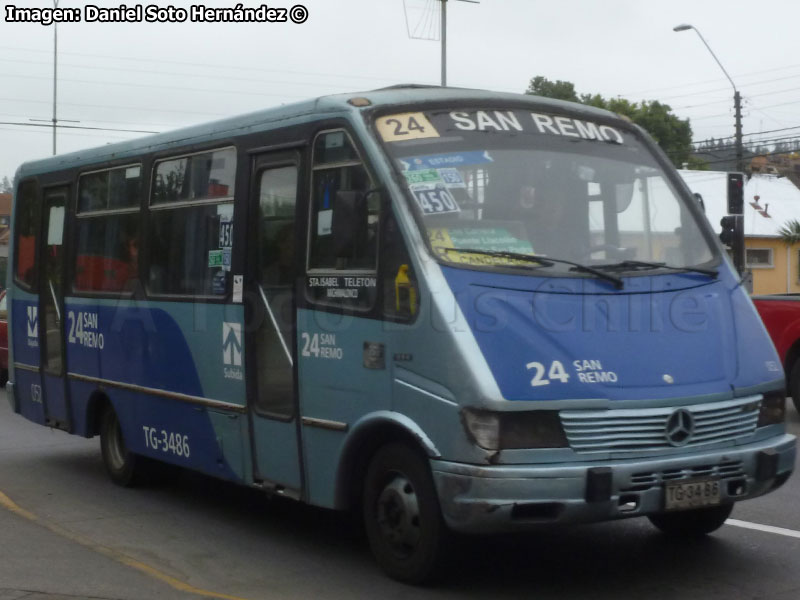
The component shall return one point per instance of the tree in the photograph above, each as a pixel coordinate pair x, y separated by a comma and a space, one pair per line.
5, 186
560, 90
672, 133
790, 232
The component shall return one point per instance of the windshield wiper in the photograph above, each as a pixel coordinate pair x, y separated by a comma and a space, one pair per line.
545, 261
643, 264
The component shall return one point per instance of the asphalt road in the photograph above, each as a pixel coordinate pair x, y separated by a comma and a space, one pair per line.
67, 532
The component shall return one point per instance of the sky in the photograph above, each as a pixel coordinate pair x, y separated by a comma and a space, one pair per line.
160, 76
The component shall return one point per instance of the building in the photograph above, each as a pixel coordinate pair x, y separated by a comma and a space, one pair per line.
770, 202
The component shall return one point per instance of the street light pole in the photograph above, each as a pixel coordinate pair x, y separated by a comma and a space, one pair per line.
737, 98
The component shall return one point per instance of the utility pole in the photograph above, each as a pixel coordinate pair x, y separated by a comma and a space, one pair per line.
737, 104
444, 43
55, 78
444, 37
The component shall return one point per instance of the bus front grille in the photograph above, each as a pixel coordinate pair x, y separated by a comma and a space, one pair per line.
653, 429
640, 482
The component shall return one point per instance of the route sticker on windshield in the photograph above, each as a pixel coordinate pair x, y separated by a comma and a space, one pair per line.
425, 179
447, 243
450, 160
451, 177
405, 126
437, 201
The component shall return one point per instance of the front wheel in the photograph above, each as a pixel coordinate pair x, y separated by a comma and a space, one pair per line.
401, 514
692, 523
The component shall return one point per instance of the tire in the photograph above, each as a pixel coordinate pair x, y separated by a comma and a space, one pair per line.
693, 523
3, 378
123, 466
402, 520
794, 384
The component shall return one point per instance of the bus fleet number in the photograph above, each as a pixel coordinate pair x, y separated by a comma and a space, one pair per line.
173, 443
556, 372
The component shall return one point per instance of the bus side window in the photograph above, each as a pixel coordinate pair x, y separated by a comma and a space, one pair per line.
27, 233
340, 182
191, 224
107, 257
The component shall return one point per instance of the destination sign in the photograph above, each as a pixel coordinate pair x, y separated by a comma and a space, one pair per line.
440, 124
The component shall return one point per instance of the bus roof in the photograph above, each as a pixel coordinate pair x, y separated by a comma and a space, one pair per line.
292, 113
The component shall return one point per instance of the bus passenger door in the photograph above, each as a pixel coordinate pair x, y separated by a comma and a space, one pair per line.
270, 339
51, 305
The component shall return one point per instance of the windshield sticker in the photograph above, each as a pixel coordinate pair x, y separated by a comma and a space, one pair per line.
325, 222
490, 239
451, 177
517, 121
407, 126
495, 239
423, 176
215, 258
452, 159
437, 201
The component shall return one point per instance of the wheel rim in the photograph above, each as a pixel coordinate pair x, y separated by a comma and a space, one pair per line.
398, 515
116, 447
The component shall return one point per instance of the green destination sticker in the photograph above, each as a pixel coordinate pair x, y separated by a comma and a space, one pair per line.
215, 258
422, 176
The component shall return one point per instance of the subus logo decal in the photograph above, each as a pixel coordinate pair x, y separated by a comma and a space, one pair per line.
33, 322
232, 344
232, 350
33, 327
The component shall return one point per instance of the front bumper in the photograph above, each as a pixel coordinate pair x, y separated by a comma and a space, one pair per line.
486, 499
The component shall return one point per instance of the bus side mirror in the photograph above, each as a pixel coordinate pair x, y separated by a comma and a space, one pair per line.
348, 223
699, 199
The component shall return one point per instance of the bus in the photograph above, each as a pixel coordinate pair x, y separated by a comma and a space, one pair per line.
452, 311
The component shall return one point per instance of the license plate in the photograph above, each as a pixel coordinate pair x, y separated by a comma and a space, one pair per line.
691, 494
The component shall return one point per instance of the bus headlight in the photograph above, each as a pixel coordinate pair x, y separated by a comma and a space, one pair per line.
514, 430
773, 409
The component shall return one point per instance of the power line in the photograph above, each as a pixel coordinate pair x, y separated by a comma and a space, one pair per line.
748, 134
162, 87
92, 120
733, 159
69, 133
173, 73
76, 127
160, 61
709, 81
107, 106
767, 141
749, 96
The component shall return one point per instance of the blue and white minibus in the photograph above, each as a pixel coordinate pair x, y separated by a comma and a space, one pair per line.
450, 310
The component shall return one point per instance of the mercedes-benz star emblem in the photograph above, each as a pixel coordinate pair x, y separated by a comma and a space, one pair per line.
680, 427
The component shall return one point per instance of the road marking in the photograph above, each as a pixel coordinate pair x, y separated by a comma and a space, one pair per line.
766, 528
115, 555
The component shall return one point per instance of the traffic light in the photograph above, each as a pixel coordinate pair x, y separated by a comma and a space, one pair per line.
735, 193
728, 233
732, 235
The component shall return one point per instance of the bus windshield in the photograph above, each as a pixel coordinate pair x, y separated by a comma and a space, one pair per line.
505, 183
